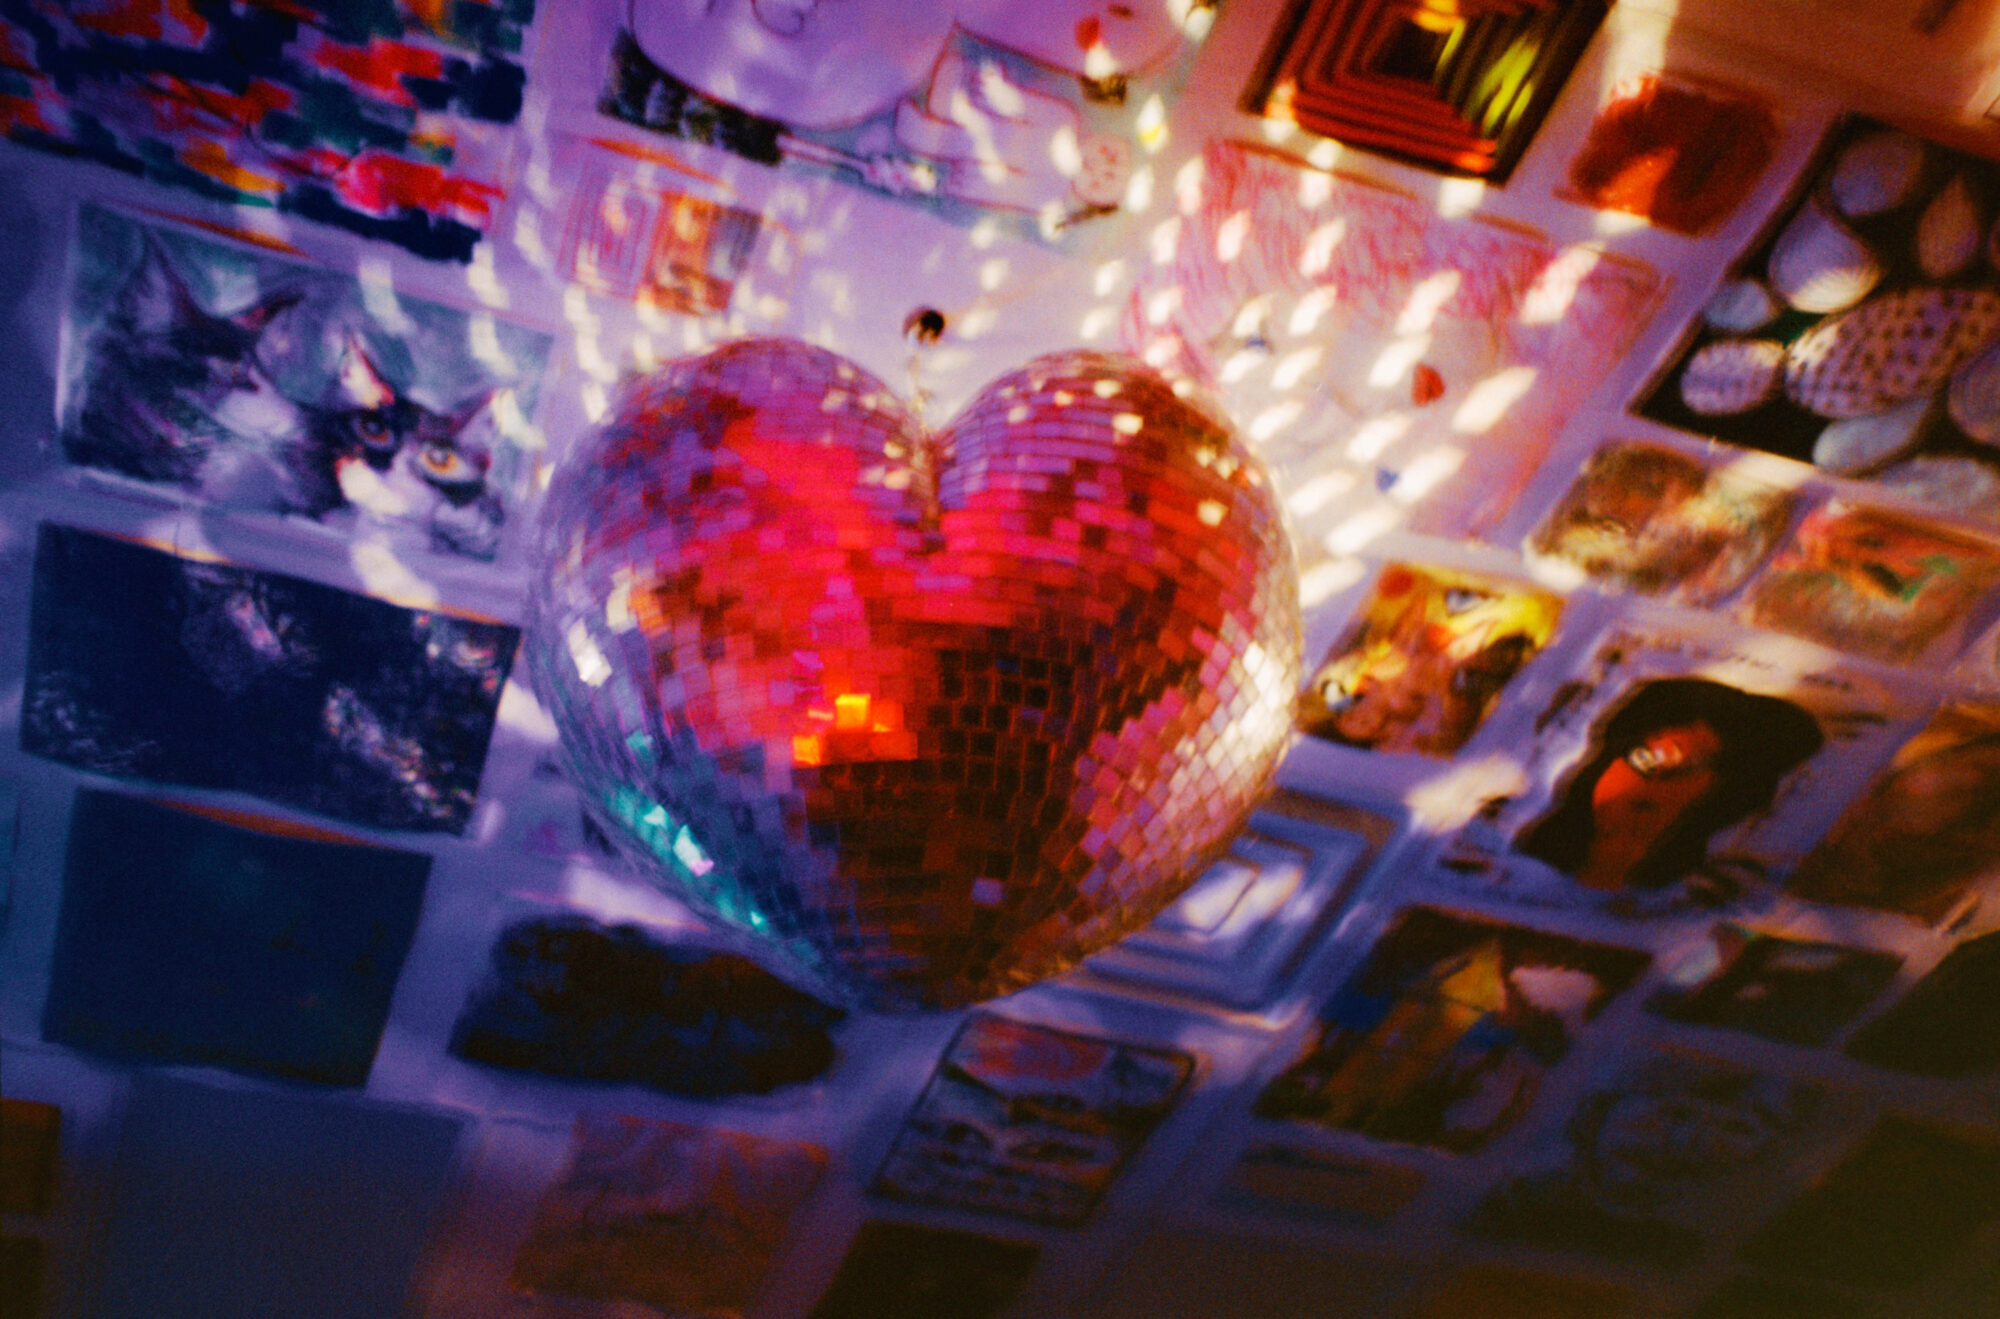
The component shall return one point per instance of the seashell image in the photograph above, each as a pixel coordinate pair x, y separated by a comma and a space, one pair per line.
1948, 234
1888, 350
1819, 265
1876, 173
1732, 375
1948, 481
1740, 306
1973, 396
1855, 446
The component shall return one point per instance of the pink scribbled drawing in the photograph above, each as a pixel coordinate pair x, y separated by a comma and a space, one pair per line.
1311, 302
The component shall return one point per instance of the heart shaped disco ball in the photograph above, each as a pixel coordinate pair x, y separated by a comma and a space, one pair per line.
930, 717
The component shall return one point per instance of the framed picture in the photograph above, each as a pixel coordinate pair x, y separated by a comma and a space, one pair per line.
1797, 991
1243, 925
1030, 1122
1459, 90
1680, 152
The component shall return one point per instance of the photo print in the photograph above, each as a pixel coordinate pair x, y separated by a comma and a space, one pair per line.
643, 233
1653, 521
910, 1271
146, 665
251, 944
1877, 585
1795, 991
1392, 365
1897, 1209
1030, 1122
1425, 660
390, 120
1945, 1024
971, 109
1926, 833
1679, 152
1677, 771
1861, 332
1660, 1151
1443, 1035
683, 1219
1321, 1184
242, 379
567, 996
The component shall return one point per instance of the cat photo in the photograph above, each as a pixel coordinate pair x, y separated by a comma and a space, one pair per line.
245, 381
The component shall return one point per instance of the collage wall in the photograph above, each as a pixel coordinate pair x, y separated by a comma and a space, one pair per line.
1619, 940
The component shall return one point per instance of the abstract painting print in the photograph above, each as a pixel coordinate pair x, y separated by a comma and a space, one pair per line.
685, 1219
239, 379
1030, 1122
1682, 153
1648, 519
252, 944
384, 119
1442, 1036
145, 665
1426, 660
1884, 587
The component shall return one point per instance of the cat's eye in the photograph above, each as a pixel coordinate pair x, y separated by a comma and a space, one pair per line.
447, 466
373, 430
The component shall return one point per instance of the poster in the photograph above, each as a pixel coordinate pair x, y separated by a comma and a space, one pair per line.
1392, 365
1660, 1152
388, 120
908, 1271
1030, 1122
1796, 991
1680, 152
1877, 585
1426, 660
1443, 1035
1927, 829
1678, 770
1896, 1209
685, 1219
1036, 118
145, 665
566, 996
1945, 1024
242, 379
1861, 331
254, 945
1651, 520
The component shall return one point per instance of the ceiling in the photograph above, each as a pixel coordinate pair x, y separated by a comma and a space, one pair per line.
1627, 377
